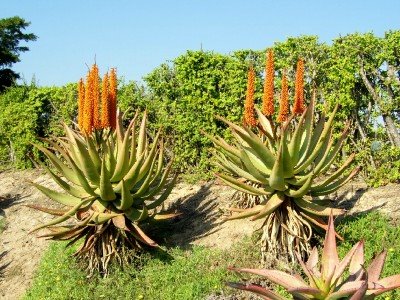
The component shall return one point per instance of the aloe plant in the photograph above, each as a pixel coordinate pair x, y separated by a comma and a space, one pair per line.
113, 182
283, 166
326, 277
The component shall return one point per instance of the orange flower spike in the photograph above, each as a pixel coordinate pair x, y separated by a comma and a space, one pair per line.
81, 103
249, 118
96, 97
298, 106
113, 98
268, 96
88, 107
284, 100
105, 104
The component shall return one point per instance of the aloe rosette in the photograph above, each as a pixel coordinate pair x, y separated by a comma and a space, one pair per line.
112, 183
282, 167
328, 278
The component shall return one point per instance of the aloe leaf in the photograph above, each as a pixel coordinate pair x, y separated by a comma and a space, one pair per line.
126, 198
335, 185
375, 268
122, 163
319, 145
326, 164
305, 132
58, 164
93, 153
278, 277
146, 182
287, 160
144, 237
105, 187
272, 204
142, 138
276, 179
61, 198
252, 168
316, 209
330, 258
131, 176
360, 294
246, 213
388, 284
51, 211
295, 142
254, 142
260, 166
259, 290
347, 289
165, 194
265, 124
155, 190
234, 169
63, 218
102, 217
300, 192
243, 187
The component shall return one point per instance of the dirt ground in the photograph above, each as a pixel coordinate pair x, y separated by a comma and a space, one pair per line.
201, 206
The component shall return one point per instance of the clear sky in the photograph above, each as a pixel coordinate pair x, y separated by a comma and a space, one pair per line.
137, 36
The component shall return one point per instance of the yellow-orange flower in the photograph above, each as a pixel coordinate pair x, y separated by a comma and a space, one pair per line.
81, 103
298, 106
96, 97
89, 117
249, 118
113, 98
284, 100
88, 105
105, 103
268, 96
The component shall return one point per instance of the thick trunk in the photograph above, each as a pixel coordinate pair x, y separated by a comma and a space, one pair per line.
387, 119
392, 129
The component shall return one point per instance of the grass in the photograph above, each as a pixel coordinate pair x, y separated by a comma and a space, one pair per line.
191, 274
197, 272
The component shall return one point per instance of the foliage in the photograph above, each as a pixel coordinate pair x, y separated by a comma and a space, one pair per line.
326, 277
11, 34
189, 94
30, 113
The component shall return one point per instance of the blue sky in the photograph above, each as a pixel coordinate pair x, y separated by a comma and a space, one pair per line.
137, 36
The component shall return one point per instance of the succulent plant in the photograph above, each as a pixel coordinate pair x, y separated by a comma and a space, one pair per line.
326, 278
113, 181
284, 167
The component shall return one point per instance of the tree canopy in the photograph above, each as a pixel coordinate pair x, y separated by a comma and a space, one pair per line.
11, 34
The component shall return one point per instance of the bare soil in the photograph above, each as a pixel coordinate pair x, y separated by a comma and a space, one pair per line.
201, 205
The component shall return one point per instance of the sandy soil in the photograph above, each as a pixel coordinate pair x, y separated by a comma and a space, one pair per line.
201, 206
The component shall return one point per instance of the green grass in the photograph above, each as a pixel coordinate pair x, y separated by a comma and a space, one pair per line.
378, 234
194, 273
190, 274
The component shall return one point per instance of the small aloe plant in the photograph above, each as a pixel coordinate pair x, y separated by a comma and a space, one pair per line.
326, 278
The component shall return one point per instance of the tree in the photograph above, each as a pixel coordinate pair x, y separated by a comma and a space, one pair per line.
10, 37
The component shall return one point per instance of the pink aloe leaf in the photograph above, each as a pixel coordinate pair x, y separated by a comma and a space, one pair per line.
305, 290
384, 285
312, 262
348, 259
347, 289
356, 267
307, 271
286, 280
330, 258
375, 268
359, 295
259, 290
